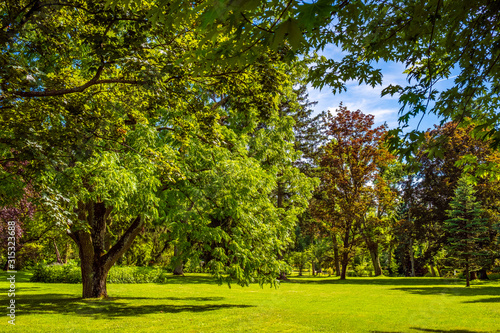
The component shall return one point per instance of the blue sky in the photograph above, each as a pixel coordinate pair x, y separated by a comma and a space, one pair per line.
368, 99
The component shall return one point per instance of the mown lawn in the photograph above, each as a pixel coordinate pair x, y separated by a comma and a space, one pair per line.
195, 303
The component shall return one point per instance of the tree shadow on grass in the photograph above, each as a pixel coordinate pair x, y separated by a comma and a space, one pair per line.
115, 307
198, 299
21, 276
443, 331
453, 291
191, 279
486, 300
376, 281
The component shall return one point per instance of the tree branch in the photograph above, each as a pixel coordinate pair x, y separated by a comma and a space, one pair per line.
94, 81
123, 243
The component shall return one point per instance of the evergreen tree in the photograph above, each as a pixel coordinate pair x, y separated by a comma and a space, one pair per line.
307, 131
467, 229
308, 137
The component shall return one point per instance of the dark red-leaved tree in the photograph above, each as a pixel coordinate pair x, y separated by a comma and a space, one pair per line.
17, 211
350, 165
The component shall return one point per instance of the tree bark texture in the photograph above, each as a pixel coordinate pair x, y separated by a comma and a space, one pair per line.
281, 194
58, 255
412, 257
345, 252
345, 262
374, 254
467, 274
336, 255
95, 260
179, 268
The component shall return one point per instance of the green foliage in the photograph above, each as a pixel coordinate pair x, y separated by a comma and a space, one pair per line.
29, 255
434, 40
145, 43
57, 273
71, 273
138, 110
185, 115
467, 229
300, 260
364, 269
428, 191
128, 274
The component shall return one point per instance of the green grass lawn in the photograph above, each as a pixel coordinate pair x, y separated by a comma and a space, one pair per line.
195, 303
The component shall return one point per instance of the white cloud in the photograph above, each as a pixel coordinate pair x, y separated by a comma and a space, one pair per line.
364, 97
368, 99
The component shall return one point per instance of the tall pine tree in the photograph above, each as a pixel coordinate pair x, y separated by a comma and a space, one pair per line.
467, 229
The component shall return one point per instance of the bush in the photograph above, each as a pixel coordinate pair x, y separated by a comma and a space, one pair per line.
351, 273
57, 273
29, 255
71, 273
364, 269
128, 274
494, 276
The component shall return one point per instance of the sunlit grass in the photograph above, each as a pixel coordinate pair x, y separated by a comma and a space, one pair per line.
195, 303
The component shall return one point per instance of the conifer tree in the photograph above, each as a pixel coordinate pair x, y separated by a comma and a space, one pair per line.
467, 229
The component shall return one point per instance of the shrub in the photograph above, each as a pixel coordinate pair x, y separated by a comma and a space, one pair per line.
351, 273
57, 273
364, 269
71, 273
128, 274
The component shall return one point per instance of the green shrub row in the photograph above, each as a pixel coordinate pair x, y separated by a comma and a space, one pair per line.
129, 274
56, 273
70, 273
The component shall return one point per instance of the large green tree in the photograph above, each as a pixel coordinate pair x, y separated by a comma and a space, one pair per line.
123, 122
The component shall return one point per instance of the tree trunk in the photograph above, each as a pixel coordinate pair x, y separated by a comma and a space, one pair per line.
412, 258
389, 260
433, 273
345, 253
281, 194
373, 249
58, 255
95, 261
336, 255
345, 262
439, 270
410, 249
300, 270
179, 268
467, 275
